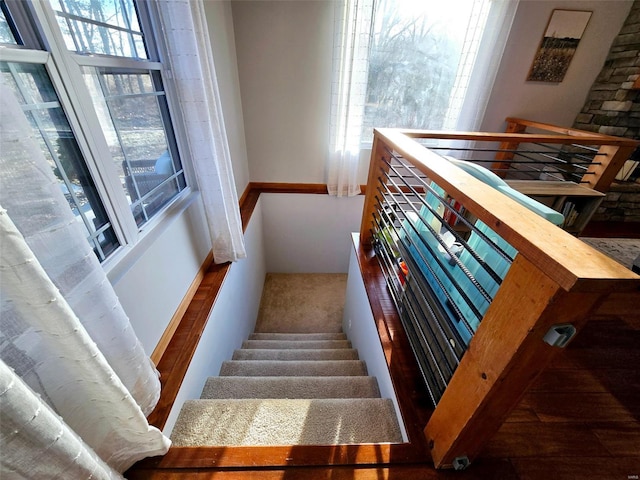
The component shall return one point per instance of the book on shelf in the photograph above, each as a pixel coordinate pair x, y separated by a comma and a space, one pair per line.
452, 215
570, 213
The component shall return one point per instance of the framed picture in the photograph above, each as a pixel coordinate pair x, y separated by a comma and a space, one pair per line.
558, 45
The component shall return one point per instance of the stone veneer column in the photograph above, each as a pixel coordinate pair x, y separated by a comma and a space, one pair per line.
613, 108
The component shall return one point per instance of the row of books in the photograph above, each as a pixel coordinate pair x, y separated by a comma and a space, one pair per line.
449, 216
570, 214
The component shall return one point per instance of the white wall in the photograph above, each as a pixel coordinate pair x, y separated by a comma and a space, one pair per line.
557, 103
306, 233
360, 326
152, 280
232, 319
284, 53
284, 63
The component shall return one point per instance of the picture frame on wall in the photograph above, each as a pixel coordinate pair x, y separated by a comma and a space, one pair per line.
558, 46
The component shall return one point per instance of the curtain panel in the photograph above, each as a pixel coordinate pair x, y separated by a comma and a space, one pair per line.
353, 23
191, 61
63, 330
485, 37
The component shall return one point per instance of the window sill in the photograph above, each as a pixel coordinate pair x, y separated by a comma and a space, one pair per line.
122, 260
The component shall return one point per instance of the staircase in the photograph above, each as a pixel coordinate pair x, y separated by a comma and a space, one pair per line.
289, 389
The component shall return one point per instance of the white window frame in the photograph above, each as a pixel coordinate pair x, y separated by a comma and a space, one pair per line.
65, 71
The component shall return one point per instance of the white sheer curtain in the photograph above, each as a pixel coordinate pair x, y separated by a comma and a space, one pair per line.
485, 38
50, 449
353, 23
485, 41
63, 330
191, 61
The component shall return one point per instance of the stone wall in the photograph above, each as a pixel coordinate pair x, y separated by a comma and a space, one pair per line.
613, 105
622, 203
613, 108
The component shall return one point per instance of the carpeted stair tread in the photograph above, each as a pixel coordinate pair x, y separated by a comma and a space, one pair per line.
297, 336
291, 387
286, 422
296, 354
315, 344
305, 368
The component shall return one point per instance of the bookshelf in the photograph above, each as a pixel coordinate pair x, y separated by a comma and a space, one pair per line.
576, 202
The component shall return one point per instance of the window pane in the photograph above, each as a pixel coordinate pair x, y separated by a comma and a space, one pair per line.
40, 103
107, 27
6, 33
131, 113
414, 56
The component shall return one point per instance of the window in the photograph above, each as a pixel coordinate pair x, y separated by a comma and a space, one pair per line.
107, 27
7, 34
40, 103
420, 61
130, 110
96, 100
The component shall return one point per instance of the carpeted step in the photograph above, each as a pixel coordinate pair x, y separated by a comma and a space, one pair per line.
296, 354
303, 368
286, 422
291, 387
306, 344
297, 336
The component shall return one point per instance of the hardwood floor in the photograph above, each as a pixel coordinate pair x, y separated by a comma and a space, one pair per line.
580, 420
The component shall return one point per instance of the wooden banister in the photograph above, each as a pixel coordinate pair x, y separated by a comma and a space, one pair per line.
554, 279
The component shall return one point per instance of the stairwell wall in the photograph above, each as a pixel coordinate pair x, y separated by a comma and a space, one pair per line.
309, 233
360, 326
232, 318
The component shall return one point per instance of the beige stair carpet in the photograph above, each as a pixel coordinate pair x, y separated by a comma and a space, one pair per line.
307, 302
283, 344
302, 368
286, 422
286, 387
293, 385
296, 354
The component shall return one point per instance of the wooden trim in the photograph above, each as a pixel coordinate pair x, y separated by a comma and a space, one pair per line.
311, 188
284, 456
502, 158
488, 469
574, 132
245, 194
180, 311
610, 160
516, 137
376, 167
175, 361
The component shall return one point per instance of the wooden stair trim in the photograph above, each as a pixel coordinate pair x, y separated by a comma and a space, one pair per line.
284, 456
412, 396
170, 331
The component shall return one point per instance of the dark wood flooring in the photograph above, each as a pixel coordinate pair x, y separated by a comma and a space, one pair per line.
581, 418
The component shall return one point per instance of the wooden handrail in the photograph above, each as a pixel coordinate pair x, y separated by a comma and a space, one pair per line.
554, 279
613, 152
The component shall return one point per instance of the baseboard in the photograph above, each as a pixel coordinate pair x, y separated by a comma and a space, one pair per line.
168, 333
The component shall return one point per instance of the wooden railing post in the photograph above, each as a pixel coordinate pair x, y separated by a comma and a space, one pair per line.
504, 357
376, 168
502, 158
606, 166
